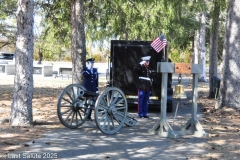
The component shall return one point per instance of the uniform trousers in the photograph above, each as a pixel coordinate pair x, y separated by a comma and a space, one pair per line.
143, 99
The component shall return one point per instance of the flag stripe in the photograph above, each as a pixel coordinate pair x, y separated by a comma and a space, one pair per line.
158, 45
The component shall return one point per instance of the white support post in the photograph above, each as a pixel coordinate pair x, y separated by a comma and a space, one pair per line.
193, 126
162, 127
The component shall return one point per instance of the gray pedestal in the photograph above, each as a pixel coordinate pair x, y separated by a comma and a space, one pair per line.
8, 69
42, 70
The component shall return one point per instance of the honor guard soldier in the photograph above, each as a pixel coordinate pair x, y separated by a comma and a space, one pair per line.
144, 86
90, 75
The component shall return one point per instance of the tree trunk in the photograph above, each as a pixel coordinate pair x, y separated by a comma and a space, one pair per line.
196, 46
40, 56
211, 93
21, 110
202, 48
230, 84
214, 49
78, 52
196, 43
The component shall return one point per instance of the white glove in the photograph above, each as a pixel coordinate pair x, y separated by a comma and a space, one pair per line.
89, 66
142, 62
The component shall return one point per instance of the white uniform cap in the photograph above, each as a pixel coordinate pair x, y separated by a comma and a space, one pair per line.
146, 58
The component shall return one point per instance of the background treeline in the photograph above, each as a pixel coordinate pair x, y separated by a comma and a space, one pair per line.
118, 19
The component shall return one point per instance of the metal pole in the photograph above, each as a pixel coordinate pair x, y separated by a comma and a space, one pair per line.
176, 110
166, 54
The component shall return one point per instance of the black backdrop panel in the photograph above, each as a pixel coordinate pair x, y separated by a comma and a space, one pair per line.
124, 56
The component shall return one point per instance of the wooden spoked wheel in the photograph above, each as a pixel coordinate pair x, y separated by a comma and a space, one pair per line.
110, 110
72, 108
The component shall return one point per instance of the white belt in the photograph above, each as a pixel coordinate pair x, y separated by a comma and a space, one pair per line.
145, 78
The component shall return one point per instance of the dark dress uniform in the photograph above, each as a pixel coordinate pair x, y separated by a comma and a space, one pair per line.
144, 88
90, 80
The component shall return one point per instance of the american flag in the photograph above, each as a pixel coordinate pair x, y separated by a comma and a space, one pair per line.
159, 43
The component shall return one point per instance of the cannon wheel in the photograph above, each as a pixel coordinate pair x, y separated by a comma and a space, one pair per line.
71, 110
110, 110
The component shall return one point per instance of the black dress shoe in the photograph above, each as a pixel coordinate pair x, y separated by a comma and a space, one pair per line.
146, 116
89, 119
140, 116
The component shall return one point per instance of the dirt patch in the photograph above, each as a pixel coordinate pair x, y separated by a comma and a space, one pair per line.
46, 92
222, 125
45, 97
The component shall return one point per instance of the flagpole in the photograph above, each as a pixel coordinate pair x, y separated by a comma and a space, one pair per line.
166, 53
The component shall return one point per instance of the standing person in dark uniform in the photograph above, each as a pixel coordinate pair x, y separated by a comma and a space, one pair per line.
90, 75
144, 86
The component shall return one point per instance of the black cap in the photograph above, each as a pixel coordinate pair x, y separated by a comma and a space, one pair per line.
90, 60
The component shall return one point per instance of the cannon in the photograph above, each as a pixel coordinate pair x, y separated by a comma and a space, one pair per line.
110, 108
